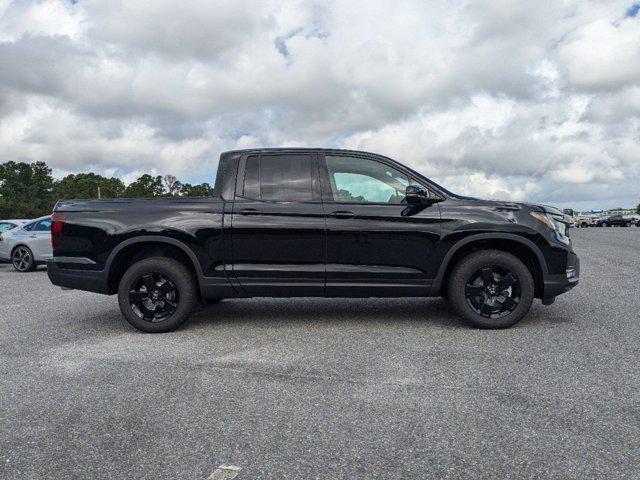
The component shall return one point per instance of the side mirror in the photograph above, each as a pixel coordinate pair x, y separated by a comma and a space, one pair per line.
417, 195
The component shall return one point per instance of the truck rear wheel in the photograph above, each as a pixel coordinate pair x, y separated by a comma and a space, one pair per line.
491, 289
157, 294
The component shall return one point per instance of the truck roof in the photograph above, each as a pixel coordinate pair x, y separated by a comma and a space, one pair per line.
298, 150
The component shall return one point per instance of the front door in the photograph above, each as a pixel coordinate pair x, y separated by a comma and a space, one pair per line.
377, 245
278, 226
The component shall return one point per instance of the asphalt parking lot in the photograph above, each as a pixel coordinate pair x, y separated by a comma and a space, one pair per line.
315, 388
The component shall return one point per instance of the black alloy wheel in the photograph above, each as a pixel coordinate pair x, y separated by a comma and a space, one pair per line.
490, 289
153, 297
157, 294
493, 292
22, 259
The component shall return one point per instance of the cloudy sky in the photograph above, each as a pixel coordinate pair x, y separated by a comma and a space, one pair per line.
534, 100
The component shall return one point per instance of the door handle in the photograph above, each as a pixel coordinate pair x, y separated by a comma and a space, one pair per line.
342, 214
249, 211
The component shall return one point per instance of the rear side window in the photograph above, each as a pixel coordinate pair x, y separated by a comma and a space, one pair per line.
6, 226
29, 226
285, 178
43, 226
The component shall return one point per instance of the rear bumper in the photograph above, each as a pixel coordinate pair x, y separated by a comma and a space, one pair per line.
89, 280
555, 285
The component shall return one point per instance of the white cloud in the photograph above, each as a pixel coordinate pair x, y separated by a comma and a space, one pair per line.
497, 98
602, 55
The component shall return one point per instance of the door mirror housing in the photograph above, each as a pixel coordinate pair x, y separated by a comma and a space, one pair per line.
418, 195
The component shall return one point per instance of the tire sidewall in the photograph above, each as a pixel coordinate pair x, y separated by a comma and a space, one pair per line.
179, 275
490, 258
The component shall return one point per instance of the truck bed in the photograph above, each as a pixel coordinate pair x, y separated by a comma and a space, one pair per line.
94, 235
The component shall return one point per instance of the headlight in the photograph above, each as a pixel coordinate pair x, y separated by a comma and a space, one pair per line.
554, 223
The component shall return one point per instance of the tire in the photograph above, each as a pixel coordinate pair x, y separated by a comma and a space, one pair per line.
157, 294
485, 274
628, 224
22, 259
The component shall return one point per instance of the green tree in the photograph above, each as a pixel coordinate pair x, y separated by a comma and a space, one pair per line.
172, 185
145, 186
201, 190
85, 185
25, 190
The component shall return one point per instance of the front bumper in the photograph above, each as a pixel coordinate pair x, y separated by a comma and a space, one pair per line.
554, 285
89, 280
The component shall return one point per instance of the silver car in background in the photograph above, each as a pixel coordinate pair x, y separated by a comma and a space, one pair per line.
27, 246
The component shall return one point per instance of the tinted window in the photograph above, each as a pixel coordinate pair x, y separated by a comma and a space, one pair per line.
43, 226
360, 180
29, 226
284, 178
5, 226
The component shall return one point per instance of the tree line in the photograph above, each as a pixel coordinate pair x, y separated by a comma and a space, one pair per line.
27, 190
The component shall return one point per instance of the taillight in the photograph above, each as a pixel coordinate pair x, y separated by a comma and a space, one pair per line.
57, 220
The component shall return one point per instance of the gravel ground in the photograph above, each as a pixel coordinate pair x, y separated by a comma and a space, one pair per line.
315, 388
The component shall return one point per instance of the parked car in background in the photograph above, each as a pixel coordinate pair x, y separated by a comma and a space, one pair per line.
6, 225
632, 219
584, 221
27, 246
617, 221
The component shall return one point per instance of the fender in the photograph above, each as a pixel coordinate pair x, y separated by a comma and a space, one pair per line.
437, 283
159, 239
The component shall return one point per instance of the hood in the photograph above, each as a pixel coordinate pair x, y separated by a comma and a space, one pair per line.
536, 207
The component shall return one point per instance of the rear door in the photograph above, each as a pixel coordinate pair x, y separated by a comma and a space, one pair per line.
278, 226
377, 245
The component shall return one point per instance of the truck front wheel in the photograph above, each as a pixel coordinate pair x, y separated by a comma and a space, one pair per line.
491, 289
157, 294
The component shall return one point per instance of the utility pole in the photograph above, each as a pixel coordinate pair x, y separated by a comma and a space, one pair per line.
98, 191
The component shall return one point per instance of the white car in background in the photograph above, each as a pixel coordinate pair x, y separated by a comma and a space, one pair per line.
27, 246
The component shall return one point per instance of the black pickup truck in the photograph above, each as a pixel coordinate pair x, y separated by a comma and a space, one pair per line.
313, 222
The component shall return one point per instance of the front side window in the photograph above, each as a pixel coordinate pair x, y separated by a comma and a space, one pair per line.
43, 226
28, 226
284, 178
362, 180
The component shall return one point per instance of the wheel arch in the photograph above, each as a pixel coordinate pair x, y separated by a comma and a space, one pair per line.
135, 249
522, 248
